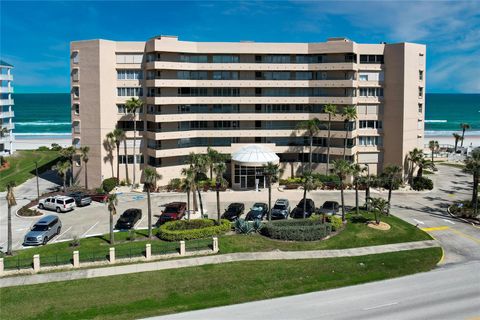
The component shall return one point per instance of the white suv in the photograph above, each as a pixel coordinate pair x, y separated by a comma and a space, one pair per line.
58, 203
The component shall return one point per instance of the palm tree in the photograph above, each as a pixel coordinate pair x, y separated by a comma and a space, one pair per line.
463, 126
457, 137
118, 135
349, 114
341, 168
423, 164
219, 169
472, 165
391, 172
198, 164
69, 153
62, 168
433, 146
272, 172
312, 127
414, 157
309, 183
11, 202
188, 185
380, 206
84, 152
132, 106
150, 179
112, 202
121, 135
212, 157
331, 110
109, 145
356, 171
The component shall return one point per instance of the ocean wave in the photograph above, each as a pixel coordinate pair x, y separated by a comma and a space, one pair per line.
438, 133
42, 123
436, 121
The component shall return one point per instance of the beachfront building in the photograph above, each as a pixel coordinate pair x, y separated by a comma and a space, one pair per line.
246, 95
7, 125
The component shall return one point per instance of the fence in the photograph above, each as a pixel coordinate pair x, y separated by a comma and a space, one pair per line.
151, 251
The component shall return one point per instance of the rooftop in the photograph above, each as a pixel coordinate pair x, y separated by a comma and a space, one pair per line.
5, 64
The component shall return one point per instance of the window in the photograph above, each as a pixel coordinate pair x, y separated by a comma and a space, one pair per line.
225, 75
420, 92
276, 59
129, 92
276, 75
308, 59
121, 108
371, 92
419, 124
192, 75
193, 58
303, 75
371, 58
420, 75
370, 124
226, 92
225, 59
126, 74
76, 127
123, 159
370, 141
76, 92
76, 108
75, 57
192, 92
155, 162
75, 75
363, 77
420, 107
123, 58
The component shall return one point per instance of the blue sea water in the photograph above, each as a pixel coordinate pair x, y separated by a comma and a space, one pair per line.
43, 115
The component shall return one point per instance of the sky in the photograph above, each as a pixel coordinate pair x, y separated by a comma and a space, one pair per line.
35, 36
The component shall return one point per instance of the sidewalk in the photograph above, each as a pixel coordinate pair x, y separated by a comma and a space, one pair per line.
216, 259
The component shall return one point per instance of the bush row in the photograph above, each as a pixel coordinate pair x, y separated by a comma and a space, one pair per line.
192, 229
422, 183
297, 230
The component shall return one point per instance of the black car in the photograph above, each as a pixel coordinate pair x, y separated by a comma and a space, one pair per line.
281, 209
81, 199
297, 212
234, 211
257, 212
330, 208
128, 219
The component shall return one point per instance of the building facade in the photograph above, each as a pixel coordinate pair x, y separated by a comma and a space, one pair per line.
230, 95
7, 125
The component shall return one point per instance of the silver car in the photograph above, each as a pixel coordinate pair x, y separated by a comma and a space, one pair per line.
43, 230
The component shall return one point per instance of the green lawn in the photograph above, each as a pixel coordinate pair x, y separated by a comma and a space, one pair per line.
162, 292
22, 166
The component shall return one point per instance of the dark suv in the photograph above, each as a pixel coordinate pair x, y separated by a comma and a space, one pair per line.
234, 211
81, 199
128, 219
173, 211
297, 212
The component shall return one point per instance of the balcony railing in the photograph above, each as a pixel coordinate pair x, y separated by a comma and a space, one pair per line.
6, 102
291, 128
8, 114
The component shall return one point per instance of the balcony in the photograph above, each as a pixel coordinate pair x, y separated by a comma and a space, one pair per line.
6, 77
251, 100
6, 89
8, 114
175, 83
6, 102
8, 125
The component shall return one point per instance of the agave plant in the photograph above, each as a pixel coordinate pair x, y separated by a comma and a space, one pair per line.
257, 225
243, 227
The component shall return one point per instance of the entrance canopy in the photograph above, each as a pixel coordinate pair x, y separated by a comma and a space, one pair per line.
254, 155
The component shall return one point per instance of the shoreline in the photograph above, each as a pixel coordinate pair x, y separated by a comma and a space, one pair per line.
443, 139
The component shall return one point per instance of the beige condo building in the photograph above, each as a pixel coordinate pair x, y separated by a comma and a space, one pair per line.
245, 99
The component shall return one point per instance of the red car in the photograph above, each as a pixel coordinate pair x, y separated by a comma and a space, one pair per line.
173, 211
99, 197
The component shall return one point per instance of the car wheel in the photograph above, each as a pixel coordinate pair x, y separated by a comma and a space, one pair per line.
58, 230
45, 240
40, 206
58, 210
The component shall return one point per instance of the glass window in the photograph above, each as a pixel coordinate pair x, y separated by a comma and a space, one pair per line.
276, 59
126, 74
76, 108
75, 57
193, 58
420, 107
129, 92
420, 92
303, 75
225, 59
75, 75
363, 77
124, 58
420, 75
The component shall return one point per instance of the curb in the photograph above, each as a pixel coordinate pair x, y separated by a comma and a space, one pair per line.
462, 219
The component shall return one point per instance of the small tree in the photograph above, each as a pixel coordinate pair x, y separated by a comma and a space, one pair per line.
62, 168
272, 173
109, 145
342, 168
391, 173
434, 147
356, 171
150, 177
379, 206
11, 202
68, 154
132, 106
198, 163
117, 136
463, 126
84, 154
309, 183
188, 185
414, 157
457, 138
112, 209
472, 166
331, 110
348, 114
219, 169
423, 164
312, 127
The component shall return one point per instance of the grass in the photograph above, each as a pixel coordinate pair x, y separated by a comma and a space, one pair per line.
163, 292
356, 234
22, 166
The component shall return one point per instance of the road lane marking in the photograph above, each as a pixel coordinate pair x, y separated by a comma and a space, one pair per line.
138, 223
381, 306
465, 235
418, 221
83, 235
436, 228
448, 221
61, 234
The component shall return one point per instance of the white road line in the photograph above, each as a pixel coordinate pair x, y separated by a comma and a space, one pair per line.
381, 306
418, 221
83, 235
448, 221
61, 234
138, 223
93, 235
22, 229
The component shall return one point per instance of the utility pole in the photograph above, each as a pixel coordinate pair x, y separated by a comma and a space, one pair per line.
36, 174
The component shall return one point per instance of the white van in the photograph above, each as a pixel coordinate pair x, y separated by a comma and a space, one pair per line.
57, 203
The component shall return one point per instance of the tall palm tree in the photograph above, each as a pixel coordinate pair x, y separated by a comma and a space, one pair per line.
356, 171
380, 206
309, 183
112, 202
109, 145
84, 154
132, 106
391, 172
188, 185
414, 157
11, 202
433, 146
463, 126
198, 164
457, 137
69, 153
311, 127
219, 169
331, 110
62, 168
423, 164
272, 172
121, 135
348, 114
342, 168
472, 165
118, 136
150, 179
212, 157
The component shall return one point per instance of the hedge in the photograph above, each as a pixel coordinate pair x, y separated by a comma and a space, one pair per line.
192, 229
297, 230
109, 184
422, 183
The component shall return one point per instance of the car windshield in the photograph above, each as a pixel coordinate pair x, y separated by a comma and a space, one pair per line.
257, 208
328, 205
129, 214
171, 210
40, 227
279, 206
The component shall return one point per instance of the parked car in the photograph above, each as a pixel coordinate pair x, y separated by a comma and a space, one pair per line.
173, 211
103, 197
43, 230
81, 199
57, 203
281, 209
330, 208
128, 219
297, 212
234, 211
257, 212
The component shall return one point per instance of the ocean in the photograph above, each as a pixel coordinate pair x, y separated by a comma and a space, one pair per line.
48, 115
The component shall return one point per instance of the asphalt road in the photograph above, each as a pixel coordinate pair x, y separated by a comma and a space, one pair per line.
451, 292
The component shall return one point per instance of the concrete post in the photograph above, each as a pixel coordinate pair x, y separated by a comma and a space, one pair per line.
76, 259
148, 251
182, 248
36, 263
215, 244
1, 267
111, 255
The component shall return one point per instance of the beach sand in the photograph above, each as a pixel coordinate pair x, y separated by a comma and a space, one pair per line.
473, 140
32, 144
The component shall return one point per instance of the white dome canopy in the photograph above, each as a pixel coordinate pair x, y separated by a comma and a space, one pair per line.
254, 154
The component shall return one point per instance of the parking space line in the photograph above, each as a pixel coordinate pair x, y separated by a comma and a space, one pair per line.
61, 234
83, 235
448, 221
138, 223
418, 221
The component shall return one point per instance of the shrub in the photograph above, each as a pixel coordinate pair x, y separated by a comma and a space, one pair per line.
56, 147
27, 212
43, 148
75, 242
382, 181
109, 184
297, 230
174, 184
192, 229
335, 222
99, 190
422, 183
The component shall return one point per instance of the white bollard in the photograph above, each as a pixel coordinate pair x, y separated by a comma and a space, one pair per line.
36, 263
111, 255
76, 259
148, 251
215, 244
182, 248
